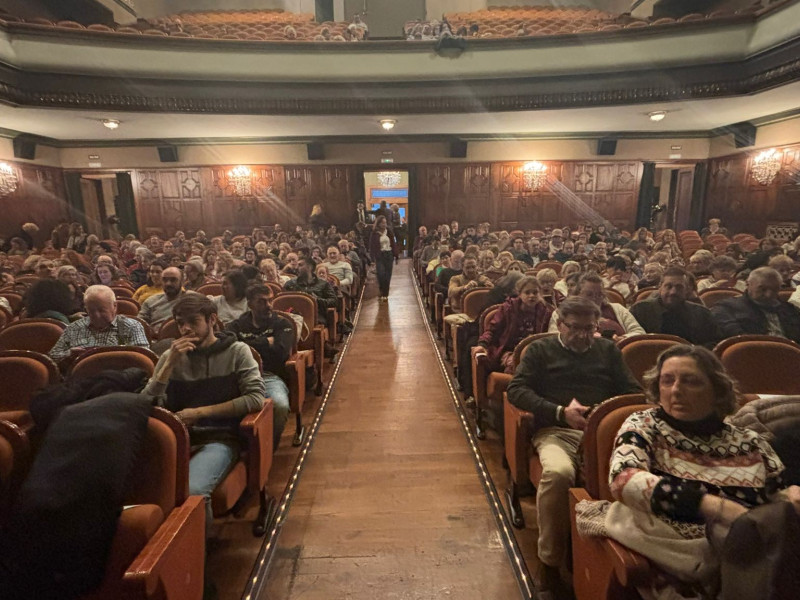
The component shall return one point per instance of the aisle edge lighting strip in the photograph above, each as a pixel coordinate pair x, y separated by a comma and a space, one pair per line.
509, 541
259, 573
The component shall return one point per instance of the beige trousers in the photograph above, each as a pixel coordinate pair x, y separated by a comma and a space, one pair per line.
557, 448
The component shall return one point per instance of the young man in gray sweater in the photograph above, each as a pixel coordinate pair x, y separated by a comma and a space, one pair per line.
211, 381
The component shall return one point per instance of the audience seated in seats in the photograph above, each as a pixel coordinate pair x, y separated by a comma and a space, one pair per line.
308, 282
723, 275
767, 248
671, 312
49, 299
714, 227
102, 327
559, 379
619, 277
759, 310
153, 285
158, 309
447, 272
339, 268
790, 275
460, 285
272, 337
291, 266
194, 273
521, 254
616, 321
556, 243
682, 476
210, 380
651, 275
68, 275
232, 304
568, 269
547, 279
517, 318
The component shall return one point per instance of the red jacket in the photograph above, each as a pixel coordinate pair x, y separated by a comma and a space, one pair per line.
505, 329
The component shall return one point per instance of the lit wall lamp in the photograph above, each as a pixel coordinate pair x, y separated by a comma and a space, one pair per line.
766, 166
534, 175
241, 179
8, 179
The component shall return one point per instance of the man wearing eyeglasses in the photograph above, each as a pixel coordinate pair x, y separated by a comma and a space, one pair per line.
559, 379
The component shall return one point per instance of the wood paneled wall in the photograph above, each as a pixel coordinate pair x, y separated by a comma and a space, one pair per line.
40, 197
746, 206
191, 198
495, 192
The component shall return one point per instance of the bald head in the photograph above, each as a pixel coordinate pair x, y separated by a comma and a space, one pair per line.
172, 280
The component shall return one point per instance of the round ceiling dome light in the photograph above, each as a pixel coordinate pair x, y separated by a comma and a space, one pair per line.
110, 123
657, 115
388, 124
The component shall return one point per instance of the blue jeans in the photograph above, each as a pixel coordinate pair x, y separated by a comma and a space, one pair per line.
207, 467
276, 389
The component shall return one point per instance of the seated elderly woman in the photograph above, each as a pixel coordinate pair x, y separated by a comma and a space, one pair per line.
547, 280
679, 468
518, 317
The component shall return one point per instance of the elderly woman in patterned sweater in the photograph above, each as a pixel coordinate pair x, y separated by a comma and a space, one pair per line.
683, 464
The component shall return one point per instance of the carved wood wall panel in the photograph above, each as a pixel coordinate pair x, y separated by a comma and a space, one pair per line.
743, 204
496, 193
40, 197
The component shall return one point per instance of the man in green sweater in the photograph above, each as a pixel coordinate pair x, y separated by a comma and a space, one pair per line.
559, 379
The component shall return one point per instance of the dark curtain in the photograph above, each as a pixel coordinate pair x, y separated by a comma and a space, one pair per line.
647, 195
698, 196
72, 183
125, 205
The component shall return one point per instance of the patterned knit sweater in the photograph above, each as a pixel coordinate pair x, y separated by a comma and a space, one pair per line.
664, 466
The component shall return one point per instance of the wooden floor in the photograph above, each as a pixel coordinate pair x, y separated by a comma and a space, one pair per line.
389, 504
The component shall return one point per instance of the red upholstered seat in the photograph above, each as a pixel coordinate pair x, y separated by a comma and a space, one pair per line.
640, 352
762, 364
38, 335
94, 361
23, 373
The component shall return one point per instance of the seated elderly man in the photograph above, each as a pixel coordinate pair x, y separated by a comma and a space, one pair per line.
559, 379
759, 310
468, 280
339, 268
103, 326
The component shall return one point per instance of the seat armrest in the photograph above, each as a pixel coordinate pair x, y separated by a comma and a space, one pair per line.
630, 568
518, 426
171, 565
480, 372
333, 323
296, 367
256, 429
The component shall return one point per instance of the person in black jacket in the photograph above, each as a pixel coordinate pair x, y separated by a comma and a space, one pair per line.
760, 310
671, 313
272, 337
308, 282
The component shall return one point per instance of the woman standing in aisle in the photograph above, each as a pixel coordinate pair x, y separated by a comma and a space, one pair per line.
383, 249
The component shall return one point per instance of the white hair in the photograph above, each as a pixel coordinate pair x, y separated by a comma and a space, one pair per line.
99, 291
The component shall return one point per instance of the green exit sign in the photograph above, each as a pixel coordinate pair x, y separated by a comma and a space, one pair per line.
387, 160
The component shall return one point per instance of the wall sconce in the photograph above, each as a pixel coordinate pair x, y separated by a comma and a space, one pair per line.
8, 179
241, 179
766, 166
534, 175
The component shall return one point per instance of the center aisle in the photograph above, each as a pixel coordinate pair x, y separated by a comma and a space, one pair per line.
389, 504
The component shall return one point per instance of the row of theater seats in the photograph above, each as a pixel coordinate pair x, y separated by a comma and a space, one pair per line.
602, 568
159, 547
297, 29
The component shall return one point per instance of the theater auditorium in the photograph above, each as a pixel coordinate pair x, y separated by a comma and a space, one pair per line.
356, 299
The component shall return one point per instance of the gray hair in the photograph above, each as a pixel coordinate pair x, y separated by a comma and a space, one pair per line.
765, 274
99, 291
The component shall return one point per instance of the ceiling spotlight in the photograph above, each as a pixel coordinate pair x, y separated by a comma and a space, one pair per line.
388, 124
657, 115
110, 123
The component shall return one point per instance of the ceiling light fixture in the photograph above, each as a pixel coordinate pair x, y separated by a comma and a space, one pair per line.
657, 115
766, 166
534, 174
110, 123
390, 178
388, 124
8, 179
241, 180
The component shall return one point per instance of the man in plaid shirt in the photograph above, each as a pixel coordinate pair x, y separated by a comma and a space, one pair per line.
103, 327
